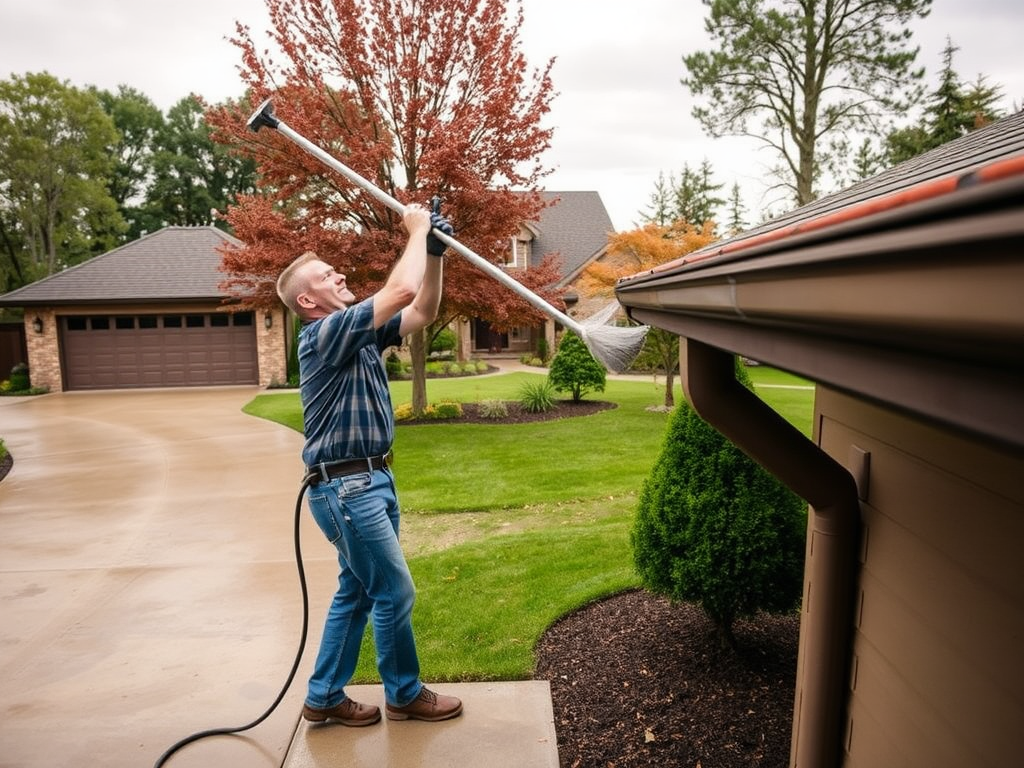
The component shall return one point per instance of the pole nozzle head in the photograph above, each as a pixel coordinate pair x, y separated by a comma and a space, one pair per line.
263, 116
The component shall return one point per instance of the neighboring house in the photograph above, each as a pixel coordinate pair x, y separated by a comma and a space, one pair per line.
575, 228
147, 314
151, 314
903, 298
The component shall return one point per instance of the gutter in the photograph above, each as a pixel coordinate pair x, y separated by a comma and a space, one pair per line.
708, 377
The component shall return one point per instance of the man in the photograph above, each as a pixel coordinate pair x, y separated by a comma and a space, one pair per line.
349, 425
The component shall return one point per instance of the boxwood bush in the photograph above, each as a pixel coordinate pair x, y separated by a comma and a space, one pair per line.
715, 528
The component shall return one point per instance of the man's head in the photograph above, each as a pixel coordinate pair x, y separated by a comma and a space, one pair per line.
313, 289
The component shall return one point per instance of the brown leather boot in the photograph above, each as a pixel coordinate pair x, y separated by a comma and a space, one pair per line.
428, 706
349, 712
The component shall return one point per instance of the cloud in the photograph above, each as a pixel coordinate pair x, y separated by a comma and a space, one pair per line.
621, 116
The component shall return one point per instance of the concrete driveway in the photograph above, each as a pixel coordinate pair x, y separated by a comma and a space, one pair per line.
148, 590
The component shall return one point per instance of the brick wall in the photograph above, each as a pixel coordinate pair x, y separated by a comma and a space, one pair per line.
43, 353
271, 347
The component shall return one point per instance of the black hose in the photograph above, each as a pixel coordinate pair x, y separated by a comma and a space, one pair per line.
298, 655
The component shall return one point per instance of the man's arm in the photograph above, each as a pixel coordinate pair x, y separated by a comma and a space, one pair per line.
405, 282
423, 310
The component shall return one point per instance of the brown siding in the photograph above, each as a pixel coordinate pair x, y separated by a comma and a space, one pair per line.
936, 668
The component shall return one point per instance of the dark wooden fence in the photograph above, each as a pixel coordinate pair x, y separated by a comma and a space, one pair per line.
12, 347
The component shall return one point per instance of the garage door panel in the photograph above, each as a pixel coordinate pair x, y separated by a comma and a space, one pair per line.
103, 352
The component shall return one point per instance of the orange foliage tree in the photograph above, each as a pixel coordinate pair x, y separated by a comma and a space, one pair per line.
639, 250
423, 98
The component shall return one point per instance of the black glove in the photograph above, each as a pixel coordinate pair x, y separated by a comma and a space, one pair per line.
434, 245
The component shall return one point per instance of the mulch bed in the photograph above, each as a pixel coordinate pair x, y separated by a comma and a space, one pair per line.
637, 681
563, 409
5, 465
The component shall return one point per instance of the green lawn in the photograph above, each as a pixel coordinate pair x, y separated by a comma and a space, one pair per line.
508, 527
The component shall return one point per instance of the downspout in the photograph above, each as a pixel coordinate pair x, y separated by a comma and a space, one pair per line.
709, 381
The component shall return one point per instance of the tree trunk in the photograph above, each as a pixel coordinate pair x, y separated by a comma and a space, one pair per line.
670, 383
418, 351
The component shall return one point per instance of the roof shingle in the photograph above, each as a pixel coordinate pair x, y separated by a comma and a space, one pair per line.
174, 263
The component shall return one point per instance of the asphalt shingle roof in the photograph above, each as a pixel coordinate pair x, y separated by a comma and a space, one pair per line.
182, 263
1001, 138
576, 227
174, 263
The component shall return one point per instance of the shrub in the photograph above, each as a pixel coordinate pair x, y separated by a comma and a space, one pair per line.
714, 527
434, 369
493, 409
19, 377
3, 450
574, 369
482, 367
537, 396
444, 341
446, 409
403, 412
542, 349
469, 368
393, 365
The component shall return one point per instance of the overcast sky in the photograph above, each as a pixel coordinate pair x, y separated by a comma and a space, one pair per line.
620, 118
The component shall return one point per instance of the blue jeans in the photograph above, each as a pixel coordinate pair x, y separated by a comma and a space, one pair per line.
359, 515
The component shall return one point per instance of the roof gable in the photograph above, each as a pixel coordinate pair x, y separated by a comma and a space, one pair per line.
174, 263
576, 227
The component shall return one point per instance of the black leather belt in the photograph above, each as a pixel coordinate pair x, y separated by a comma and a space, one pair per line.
332, 469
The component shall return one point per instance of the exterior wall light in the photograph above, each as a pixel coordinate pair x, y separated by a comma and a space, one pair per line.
268, 320
37, 324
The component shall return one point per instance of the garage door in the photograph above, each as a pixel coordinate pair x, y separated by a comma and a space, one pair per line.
173, 350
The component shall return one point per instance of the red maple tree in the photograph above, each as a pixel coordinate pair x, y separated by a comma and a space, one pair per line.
423, 98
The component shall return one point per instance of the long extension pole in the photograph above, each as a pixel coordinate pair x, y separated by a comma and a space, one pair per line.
612, 346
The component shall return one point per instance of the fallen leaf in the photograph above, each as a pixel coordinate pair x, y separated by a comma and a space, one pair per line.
648, 736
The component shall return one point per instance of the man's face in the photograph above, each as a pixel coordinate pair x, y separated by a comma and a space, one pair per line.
327, 291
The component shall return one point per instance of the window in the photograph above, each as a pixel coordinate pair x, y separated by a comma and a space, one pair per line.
172, 321
195, 321
219, 320
99, 323
123, 323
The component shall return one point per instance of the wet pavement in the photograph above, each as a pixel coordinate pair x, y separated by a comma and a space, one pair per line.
148, 590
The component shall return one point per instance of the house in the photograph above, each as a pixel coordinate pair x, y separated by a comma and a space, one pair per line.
147, 314
576, 229
903, 299
151, 314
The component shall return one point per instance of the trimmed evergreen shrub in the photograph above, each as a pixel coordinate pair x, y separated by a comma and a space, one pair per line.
444, 341
393, 365
19, 377
715, 528
574, 369
542, 349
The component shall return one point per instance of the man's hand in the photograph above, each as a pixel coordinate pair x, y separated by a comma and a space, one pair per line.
434, 245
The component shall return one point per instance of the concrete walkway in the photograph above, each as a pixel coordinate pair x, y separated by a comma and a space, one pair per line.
148, 590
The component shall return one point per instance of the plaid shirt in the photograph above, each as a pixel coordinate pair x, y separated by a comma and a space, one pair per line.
346, 404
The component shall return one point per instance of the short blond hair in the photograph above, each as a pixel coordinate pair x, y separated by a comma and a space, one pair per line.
289, 285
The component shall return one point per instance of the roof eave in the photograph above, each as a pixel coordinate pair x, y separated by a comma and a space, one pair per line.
919, 308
